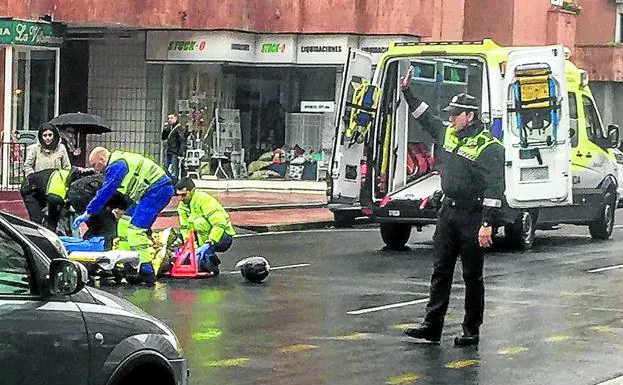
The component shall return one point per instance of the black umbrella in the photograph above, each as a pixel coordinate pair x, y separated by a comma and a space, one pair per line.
86, 123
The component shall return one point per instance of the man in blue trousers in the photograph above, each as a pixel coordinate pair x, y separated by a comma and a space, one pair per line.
150, 189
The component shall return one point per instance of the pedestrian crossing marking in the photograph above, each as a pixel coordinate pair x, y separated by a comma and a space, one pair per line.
601, 328
210, 334
354, 337
228, 363
512, 350
403, 379
297, 348
460, 364
557, 338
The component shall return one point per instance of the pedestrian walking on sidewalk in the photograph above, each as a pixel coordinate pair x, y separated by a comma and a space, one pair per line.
472, 182
201, 212
149, 188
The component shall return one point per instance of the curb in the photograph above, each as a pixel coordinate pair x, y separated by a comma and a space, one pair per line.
283, 206
297, 226
286, 227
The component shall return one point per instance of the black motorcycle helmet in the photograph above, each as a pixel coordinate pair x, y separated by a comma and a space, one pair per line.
254, 268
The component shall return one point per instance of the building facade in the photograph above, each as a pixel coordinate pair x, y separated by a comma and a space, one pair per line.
255, 76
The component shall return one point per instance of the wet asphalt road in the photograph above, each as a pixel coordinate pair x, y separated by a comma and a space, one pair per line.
548, 319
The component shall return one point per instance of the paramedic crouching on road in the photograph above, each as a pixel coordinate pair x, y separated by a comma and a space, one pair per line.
204, 214
145, 183
472, 181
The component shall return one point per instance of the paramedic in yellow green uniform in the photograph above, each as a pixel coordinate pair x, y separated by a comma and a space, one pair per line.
201, 212
148, 187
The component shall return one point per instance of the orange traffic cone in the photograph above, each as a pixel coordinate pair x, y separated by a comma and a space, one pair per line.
180, 268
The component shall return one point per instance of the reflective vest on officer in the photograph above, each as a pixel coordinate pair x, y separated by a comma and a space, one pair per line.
57, 183
142, 174
470, 147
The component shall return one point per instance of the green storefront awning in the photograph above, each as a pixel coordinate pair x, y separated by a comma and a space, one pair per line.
31, 33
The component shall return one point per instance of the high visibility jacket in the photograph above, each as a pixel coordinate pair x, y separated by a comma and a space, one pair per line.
204, 206
142, 174
57, 183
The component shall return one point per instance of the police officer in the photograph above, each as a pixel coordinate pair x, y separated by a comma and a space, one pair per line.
472, 181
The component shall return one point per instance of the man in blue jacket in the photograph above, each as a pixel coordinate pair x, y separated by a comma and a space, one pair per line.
148, 186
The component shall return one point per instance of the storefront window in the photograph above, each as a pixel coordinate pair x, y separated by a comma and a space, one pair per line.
260, 106
34, 88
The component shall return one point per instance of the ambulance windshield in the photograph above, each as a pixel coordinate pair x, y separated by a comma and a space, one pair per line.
436, 80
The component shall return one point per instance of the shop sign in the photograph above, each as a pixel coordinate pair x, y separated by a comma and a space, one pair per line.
273, 48
39, 34
276, 49
314, 106
200, 46
323, 49
378, 45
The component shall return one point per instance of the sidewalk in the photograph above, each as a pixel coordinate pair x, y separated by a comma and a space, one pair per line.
260, 211
264, 211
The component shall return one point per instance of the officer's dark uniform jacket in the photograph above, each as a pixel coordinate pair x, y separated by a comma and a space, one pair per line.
472, 161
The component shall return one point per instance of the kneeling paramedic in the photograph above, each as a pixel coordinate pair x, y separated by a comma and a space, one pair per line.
149, 188
204, 214
48, 188
472, 181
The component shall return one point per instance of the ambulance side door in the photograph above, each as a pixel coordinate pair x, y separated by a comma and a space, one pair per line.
536, 128
349, 139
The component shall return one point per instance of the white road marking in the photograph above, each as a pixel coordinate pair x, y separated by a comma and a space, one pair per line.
617, 226
279, 267
605, 268
614, 381
385, 307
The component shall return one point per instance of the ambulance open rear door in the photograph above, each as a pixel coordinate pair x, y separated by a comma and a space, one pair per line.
355, 117
536, 128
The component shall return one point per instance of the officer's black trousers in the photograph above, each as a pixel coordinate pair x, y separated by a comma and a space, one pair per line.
457, 234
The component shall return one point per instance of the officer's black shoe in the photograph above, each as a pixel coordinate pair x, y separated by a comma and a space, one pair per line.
424, 333
467, 339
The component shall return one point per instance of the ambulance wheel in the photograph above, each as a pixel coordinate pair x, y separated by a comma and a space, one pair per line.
344, 218
395, 235
520, 235
603, 226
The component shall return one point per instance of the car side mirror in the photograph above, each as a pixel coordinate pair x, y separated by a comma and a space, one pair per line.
613, 135
66, 277
572, 132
